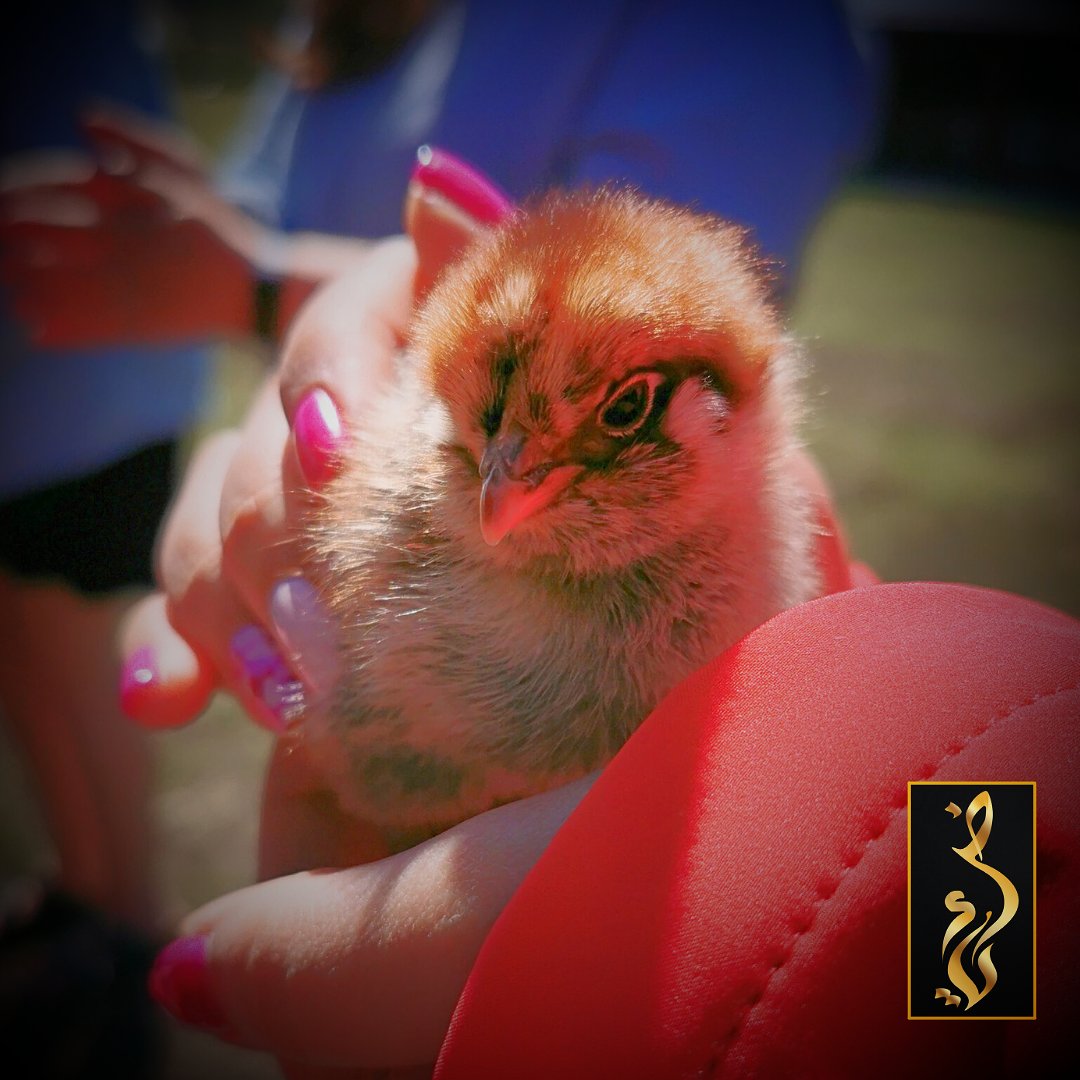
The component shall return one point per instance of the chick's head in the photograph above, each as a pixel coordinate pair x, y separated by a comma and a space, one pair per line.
608, 366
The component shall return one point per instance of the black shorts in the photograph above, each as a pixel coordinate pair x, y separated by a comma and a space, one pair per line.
97, 532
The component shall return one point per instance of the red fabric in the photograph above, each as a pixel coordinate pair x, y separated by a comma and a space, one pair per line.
730, 898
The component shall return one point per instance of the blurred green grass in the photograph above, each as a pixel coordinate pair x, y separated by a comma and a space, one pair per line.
945, 391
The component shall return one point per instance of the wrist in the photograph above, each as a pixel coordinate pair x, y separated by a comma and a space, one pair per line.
273, 284
266, 307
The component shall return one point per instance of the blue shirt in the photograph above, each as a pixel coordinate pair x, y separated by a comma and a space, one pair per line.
65, 413
751, 111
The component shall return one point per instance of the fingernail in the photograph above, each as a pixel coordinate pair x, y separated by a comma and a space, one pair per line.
305, 628
319, 438
138, 679
179, 982
278, 694
254, 653
462, 185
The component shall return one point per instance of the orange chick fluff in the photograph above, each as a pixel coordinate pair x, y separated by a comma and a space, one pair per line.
579, 488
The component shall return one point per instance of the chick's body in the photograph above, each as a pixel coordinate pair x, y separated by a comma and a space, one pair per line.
578, 490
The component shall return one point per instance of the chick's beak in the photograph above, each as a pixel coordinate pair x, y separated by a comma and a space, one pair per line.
513, 489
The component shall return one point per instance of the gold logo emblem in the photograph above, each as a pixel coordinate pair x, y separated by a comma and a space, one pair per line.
977, 945
988, 894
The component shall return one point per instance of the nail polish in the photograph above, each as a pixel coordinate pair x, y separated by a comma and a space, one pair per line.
307, 632
254, 653
461, 184
138, 679
284, 698
179, 982
318, 436
278, 694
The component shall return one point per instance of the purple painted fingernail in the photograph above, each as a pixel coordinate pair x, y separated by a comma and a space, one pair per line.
463, 185
277, 691
179, 981
284, 698
138, 676
319, 437
254, 653
306, 630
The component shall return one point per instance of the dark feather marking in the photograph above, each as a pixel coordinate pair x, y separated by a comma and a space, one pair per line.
539, 410
584, 379
400, 772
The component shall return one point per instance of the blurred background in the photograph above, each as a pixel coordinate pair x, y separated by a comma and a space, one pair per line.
938, 300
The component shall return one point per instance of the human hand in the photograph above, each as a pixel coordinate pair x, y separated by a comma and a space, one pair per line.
226, 545
228, 559
338, 971
130, 246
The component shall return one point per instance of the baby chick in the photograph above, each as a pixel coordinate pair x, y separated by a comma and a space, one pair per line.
578, 491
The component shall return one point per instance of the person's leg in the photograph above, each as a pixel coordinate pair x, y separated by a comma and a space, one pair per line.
90, 765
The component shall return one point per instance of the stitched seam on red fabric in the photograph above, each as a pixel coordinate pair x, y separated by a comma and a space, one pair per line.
729, 1040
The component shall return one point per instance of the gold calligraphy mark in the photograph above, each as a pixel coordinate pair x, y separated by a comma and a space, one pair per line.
979, 938
950, 998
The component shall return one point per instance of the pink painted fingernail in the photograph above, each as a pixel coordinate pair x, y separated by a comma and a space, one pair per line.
462, 185
278, 694
179, 982
319, 437
138, 677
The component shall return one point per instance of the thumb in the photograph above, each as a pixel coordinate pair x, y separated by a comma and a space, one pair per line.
447, 205
357, 967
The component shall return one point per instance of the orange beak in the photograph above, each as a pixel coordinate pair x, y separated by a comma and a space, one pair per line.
512, 490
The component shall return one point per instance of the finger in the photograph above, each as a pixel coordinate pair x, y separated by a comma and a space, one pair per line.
94, 193
164, 682
346, 337
447, 205
259, 545
264, 504
360, 967
339, 350
202, 604
192, 199
189, 550
44, 168
129, 139
344, 343
116, 194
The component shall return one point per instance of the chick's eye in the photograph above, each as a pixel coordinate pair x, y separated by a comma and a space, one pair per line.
626, 410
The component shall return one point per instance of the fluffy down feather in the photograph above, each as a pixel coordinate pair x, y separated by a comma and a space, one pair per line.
577, 490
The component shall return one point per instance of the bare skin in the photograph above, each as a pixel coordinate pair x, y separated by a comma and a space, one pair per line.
90, 767
294, 961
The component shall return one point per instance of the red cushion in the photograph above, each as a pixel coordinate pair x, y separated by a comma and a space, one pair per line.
730, 898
